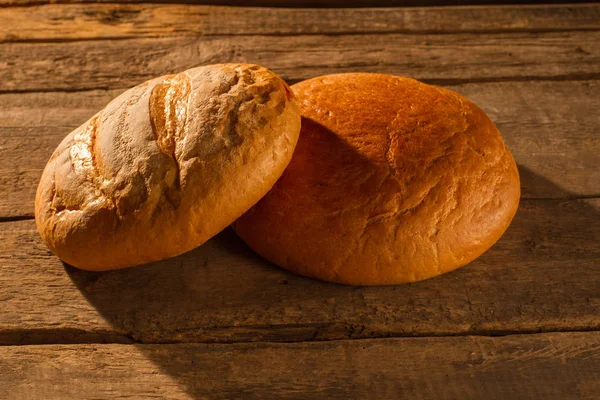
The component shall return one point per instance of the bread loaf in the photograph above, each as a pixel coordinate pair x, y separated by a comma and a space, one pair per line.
392, 181
166, 165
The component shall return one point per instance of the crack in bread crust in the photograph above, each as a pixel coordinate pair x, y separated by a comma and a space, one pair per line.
169, 109
82, 150
84, 160
169, 103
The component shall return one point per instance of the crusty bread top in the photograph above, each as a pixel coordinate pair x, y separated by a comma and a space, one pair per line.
392, 181
166, 165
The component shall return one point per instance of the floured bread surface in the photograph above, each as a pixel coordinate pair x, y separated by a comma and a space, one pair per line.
392, 181
166, 165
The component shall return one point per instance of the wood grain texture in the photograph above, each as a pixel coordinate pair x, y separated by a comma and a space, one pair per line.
296, 3
434, 58
119, 21
551, 128
543, 275
544, 366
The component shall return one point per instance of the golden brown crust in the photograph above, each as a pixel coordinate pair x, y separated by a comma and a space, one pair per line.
392, 181
166, 165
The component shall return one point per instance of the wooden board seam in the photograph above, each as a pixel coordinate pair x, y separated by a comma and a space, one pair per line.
129, 339
437, 82
554, 366
16, 218
330, 34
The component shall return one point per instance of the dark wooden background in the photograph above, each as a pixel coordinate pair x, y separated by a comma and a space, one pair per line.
521, 322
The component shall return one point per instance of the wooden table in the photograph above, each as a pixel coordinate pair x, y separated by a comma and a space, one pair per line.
523, 321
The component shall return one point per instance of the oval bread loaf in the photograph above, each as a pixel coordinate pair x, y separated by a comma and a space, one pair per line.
166, 165
392, 181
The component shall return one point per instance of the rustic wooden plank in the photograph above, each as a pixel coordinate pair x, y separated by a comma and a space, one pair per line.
117, 21
444, 58
551, 127
543, 275
543, 366
297, 3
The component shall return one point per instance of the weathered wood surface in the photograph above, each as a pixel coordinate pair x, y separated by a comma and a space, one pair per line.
297, 3
551, 128
446, 59
541, 276
121, 21
547, 366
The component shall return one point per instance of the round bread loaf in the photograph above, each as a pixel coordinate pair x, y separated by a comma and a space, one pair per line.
166, 165
392, 181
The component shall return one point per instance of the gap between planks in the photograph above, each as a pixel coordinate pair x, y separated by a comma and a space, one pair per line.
292, 35
437, 82
550, 366
45, 338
